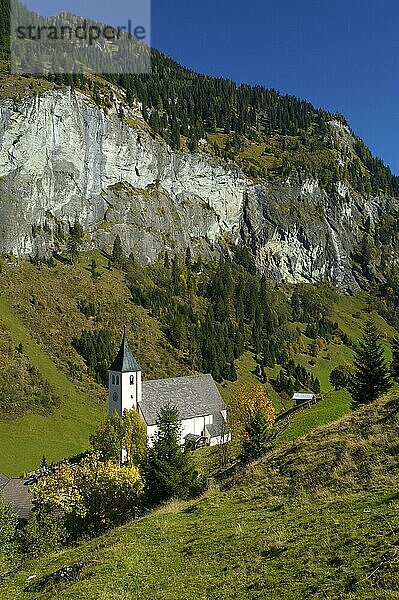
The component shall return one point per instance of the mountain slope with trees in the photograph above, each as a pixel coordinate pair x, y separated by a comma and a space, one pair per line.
184, 315
217, 200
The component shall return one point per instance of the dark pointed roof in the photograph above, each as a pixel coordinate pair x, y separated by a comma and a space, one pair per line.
125, 361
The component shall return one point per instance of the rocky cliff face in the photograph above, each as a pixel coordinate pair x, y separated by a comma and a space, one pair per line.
62, 157
300, 233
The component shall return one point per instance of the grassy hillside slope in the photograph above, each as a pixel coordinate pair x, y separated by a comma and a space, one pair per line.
23, 441
38, 308
318, 518
350, 312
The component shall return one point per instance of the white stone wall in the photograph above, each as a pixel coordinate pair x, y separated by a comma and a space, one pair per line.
215, 441
151, 431
195, 425
114, 388
129, 394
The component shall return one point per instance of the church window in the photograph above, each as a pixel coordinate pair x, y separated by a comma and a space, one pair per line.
117, 380
131, 379
113, 379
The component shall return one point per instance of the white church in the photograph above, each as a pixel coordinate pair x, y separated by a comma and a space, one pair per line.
202, 411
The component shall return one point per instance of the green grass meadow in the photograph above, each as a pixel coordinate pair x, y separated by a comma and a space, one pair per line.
316, 519
23, 441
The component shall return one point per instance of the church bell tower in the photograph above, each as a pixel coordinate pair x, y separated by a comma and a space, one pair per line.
124, 389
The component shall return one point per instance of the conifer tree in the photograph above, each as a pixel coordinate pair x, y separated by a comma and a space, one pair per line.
117, 251
176, 281
188, 259
315, 385
193, 142
258, 434
170, 471
371, 377
93, 270
175, 135
233, 372
395, 360
257, 330
76, 234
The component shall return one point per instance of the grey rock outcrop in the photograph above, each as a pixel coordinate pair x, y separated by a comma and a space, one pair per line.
62, 157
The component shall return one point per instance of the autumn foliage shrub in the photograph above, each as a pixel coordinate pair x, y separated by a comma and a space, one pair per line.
92, 495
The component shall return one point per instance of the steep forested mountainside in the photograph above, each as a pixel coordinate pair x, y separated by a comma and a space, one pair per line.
175, 159
173, 169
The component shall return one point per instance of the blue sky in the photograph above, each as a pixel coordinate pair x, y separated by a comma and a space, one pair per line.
341, 55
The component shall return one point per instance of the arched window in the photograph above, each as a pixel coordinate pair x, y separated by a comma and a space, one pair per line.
131, 379
117, 380
113, 379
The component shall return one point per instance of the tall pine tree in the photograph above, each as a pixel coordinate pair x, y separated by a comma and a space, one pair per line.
371, 377
117, 251
258, 436
395, 360
75, 239
170, 470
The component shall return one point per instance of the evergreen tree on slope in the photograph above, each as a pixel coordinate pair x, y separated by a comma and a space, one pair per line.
170, 471
371, 377
395, 360
258, 436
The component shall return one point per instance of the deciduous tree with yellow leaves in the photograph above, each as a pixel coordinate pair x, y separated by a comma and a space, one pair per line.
122, 437
92, 494
247, 401
254, 416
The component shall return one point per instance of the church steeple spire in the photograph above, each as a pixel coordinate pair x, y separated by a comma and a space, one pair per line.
125, 361
124, 391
